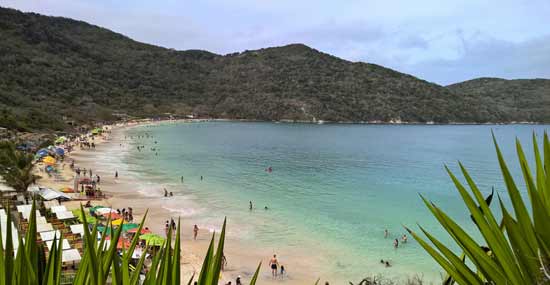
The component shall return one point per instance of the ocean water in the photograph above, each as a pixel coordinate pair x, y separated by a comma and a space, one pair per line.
333, 189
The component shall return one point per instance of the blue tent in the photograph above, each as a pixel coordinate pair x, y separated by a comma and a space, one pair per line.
42, 152
60, 151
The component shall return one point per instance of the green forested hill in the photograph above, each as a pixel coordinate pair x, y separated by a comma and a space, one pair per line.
52, 67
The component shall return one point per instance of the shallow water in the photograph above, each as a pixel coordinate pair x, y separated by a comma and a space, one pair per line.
333, 189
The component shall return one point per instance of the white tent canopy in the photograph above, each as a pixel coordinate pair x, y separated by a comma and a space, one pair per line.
70, 255
45, 236
57, 209
65, 215
49, 194
77, 229
65, 244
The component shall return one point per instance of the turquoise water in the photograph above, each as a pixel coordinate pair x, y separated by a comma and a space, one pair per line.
333, 189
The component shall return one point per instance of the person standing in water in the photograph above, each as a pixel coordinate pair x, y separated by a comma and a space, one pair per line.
250, 205
195, 232
274, 263
201, 177
386, 233
116, 174
396, 243
182, 179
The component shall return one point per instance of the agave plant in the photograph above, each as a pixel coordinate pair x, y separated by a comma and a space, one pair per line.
29, 265
516, 248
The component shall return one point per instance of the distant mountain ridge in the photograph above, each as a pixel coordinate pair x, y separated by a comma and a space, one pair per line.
54, 68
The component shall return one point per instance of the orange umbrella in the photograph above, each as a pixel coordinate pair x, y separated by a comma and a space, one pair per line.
67, 190
113, 216
49, 160
143, 231
122, 242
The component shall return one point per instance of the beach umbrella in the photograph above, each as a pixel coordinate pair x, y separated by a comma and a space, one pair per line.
60, 140
89, 219
152, 239
113, 216
122, 242
92, 209
102, 211
60, 151
49, 160
67, 190
143, 231
117, 222
129, 226
103, 229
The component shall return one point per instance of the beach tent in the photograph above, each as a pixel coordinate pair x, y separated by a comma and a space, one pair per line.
49, 160
60, 151
41, 153
77, 229
66, 215
50, 194
57, 209
152, 239
70, 255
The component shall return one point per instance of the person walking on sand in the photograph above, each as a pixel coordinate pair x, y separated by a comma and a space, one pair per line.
195, 232
274, 263
116, 174
238, 281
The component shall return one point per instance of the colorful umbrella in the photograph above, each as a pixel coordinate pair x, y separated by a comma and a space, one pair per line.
92, 209
89, 219
113, 216
60, 140
129, 226
101, 211
67, 190
117, 222
49, 160
152, 239
143, 231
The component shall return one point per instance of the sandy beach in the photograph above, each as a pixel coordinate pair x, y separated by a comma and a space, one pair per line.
120, 193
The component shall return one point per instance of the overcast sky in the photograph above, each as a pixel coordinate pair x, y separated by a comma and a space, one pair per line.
443, 41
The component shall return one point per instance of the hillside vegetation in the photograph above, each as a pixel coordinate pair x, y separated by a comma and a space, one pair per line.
55, 68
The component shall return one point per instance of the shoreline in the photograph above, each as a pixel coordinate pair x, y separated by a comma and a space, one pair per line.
121, 193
